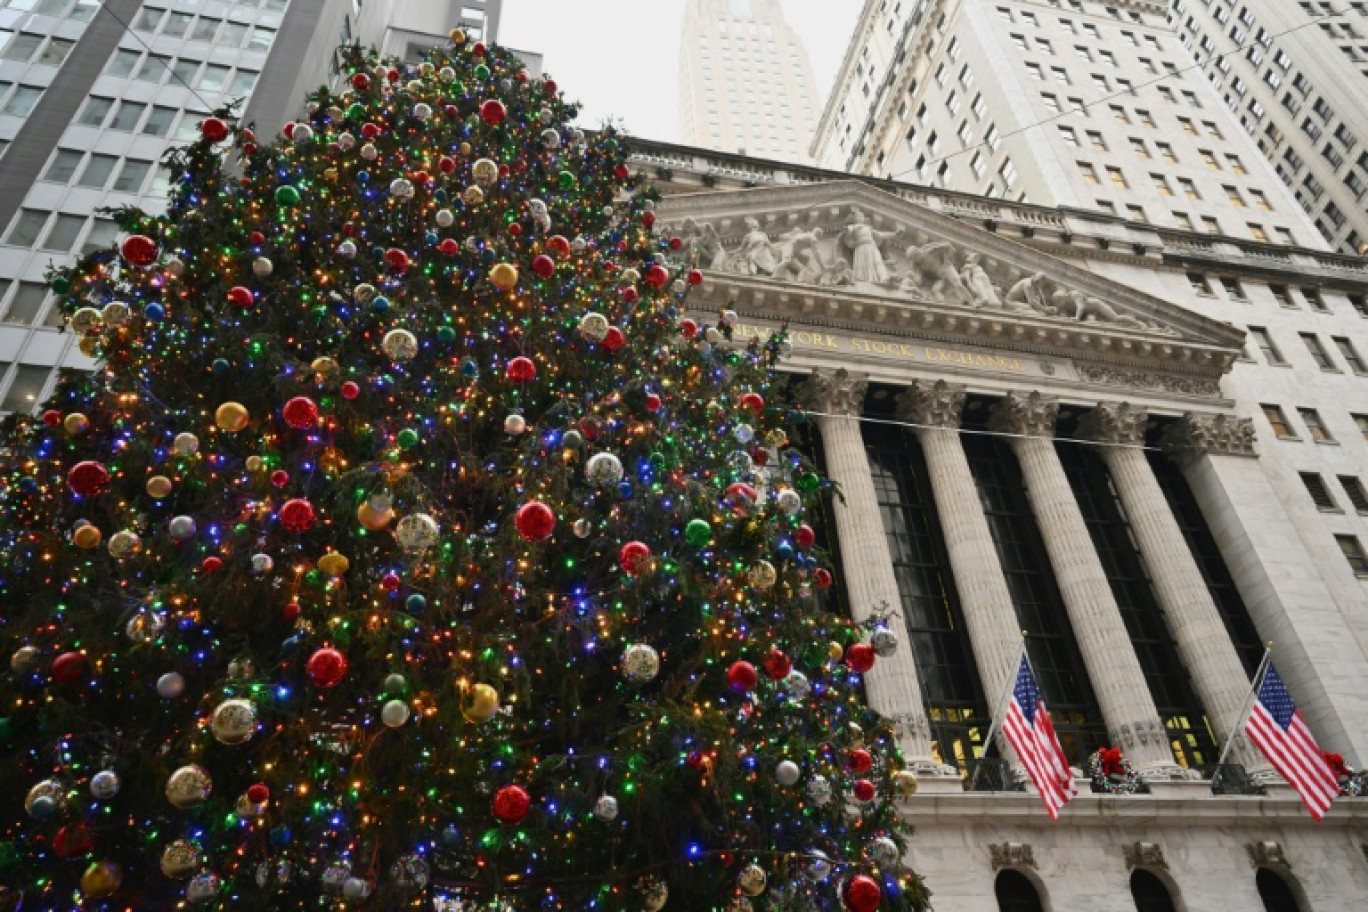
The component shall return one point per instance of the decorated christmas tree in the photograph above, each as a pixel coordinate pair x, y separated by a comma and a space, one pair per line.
410, 547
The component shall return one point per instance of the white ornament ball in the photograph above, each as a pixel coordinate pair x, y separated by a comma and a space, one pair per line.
124, 543
346, 142
551, 138
262, 564
445, 218
185, 444
369, 152
347, 249
787, 772
744, 433
537, 208
883, 851
797, 685
819, 790
44, 799
447, 74
400, 344
582, 528
603, 469
170, 685
713, 336
182, 527
234, 721
24, 659
104, 784
356, 889
401, 188
272, 875
188, 786
180, 859
729, 317
790, 501
416, 532
422, 111
594, 326
395, 713
334, 876
175, 267
202, 887
640, 663
751, 880
85, 321
301, 134
739, 904
262, 267
515, 425
818, 866
606, 808
884, 641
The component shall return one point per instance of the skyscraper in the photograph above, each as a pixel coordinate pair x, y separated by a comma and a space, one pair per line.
1296, 76
745, 81
1081, 103
92, 94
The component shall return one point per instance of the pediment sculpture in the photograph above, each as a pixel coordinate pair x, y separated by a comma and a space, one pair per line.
902, 263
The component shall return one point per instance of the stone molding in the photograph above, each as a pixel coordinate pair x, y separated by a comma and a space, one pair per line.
1144, 855
938, 404
837, 392
1267, 854
1115, 422
1027, 414
1196, 435
1011, 855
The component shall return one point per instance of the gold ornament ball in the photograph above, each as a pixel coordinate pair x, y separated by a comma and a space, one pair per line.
158, 486
89, 346
254, 463
457, 36
188, 786
504, 276
834, 651
86, 320
76, 423
333, 564
465, 148
231, 416
101, 879
399, 344
485, 171
374, 519
480, 704
751, 880
123, 543
324, 365
180, 859
87, 537
472, 196
905, 783
234, 721
763, 575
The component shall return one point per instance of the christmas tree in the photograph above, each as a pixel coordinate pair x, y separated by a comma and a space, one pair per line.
409, 547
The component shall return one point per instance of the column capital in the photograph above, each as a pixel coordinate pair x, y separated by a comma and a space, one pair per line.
938, 404
1196, 435
837, 392
1031, 414
1115, 422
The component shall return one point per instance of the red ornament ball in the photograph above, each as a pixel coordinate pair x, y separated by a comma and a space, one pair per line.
648, 219
860, 760
140, 250
479, 49
213, 129
859, 658
370, 131
515, 229
534, 521
68, 668
391, 582
522, 370
241, 296
73, 841
620, 172
397, 259
300, 412
695, 277
544, 266
777, 665
211, 564
633, 556
88, 478
676, 243
392, 74
326, 667
511, 803
446, 164
360, 82
350, 390
280, 478
753, 401
291, 610
258, 793
550, 86
688, 328
694, 759
52, 417
742, 676
256, 238
297, 515
614, 339
653, 402
657, 276
805, 536
629, 294
862, 894
863, 789
558, 244
822, 578
493, 112
288, 130
449, 247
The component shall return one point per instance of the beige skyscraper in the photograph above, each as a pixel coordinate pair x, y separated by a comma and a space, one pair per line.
745, 81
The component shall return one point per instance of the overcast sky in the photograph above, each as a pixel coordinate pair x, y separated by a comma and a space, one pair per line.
618, 58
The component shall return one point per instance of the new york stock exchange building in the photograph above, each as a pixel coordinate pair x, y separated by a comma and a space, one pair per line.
1146, 450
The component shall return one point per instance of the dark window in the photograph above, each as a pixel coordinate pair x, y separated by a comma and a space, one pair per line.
1354, 488
1320, 494
1016, 893
1167, 676
1353, 553
1276, 892
1188, 514
1039, 606
1149, 893
1318, 352
1315, 426
930, 605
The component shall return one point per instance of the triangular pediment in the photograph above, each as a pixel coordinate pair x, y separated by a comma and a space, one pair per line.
845, 254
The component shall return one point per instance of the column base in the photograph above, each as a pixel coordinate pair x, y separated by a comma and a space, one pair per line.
1167, 772
934, 777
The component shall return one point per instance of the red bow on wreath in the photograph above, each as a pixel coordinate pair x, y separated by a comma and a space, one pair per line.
1337, 764
1111, 760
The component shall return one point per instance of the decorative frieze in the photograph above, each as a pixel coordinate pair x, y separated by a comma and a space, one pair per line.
1144, 855
1182, 384
1196, 435
938, 404
1011, 855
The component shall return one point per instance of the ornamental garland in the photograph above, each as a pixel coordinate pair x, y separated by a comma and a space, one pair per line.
1112, 773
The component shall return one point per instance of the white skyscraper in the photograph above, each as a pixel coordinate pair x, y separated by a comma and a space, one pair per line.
745, 81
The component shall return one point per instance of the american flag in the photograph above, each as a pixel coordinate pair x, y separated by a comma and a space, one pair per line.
1032, 735
1278, 729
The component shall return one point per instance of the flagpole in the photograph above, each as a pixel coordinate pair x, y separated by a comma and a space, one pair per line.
1249, 702
995, 724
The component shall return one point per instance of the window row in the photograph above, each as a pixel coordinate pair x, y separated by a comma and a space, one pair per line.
60, 231
81, 11
25, 388
19, 102
208, 77
1320, 355
94, 169
31, 47
22, 303
225, 32
1095, 140
1282, 295
1315, 427
137, 116
1319, 492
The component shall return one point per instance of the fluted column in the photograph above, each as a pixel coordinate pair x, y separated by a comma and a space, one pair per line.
1191, 614
1113, 666
893, 685
989, 614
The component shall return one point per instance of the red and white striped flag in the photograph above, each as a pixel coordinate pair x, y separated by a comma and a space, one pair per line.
1032, 735
1278, 729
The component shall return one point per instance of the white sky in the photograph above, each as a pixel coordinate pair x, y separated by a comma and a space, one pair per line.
619, 58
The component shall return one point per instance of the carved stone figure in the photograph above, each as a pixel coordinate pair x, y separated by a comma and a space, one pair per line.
935, 275
803, 262
705, 244
758, 255
863, 242
982, 291
1030, 294
1076, 305
838, 273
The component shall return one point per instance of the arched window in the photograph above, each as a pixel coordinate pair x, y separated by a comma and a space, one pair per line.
1276, 892
1149, 893
1016, 893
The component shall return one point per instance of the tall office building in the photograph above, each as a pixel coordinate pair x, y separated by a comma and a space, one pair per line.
1296, 76
745, 81
1091, 104
92, 93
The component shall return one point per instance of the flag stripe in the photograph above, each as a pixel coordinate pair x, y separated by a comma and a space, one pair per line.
1031, 733
1277, 728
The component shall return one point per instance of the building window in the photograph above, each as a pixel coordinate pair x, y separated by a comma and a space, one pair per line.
1166, 153
1273, 414
1117, 179
25, 388
1199, 283
1315, 426
1210, 225
1233, 289
1318, 353
63, 166
1314, 298
1189, 188
1282, 296
1233, 194
1361, 422
1161, 184
1359, 303
1138, 147
27, 225
24, 306
1137, 213
1350, 354
1069, 137
1266, 345
1353, 553
1353, 488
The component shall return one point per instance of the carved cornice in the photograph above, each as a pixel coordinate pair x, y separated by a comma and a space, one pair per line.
1185, 384
1011, 855
1194, 436
1115, 422
1144, 855
1029, 414
837, 392
938, 404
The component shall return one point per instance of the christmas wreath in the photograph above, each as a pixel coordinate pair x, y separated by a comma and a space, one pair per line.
1351, 782
1112, 773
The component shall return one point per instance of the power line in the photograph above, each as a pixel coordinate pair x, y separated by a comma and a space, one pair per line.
163, 60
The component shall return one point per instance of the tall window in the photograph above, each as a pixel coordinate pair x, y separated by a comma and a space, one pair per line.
1149, 892
1167, 676
1015, 893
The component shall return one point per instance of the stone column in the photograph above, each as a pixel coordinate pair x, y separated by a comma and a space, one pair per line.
893, 685
1117, 679
989, 614
1189, 610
